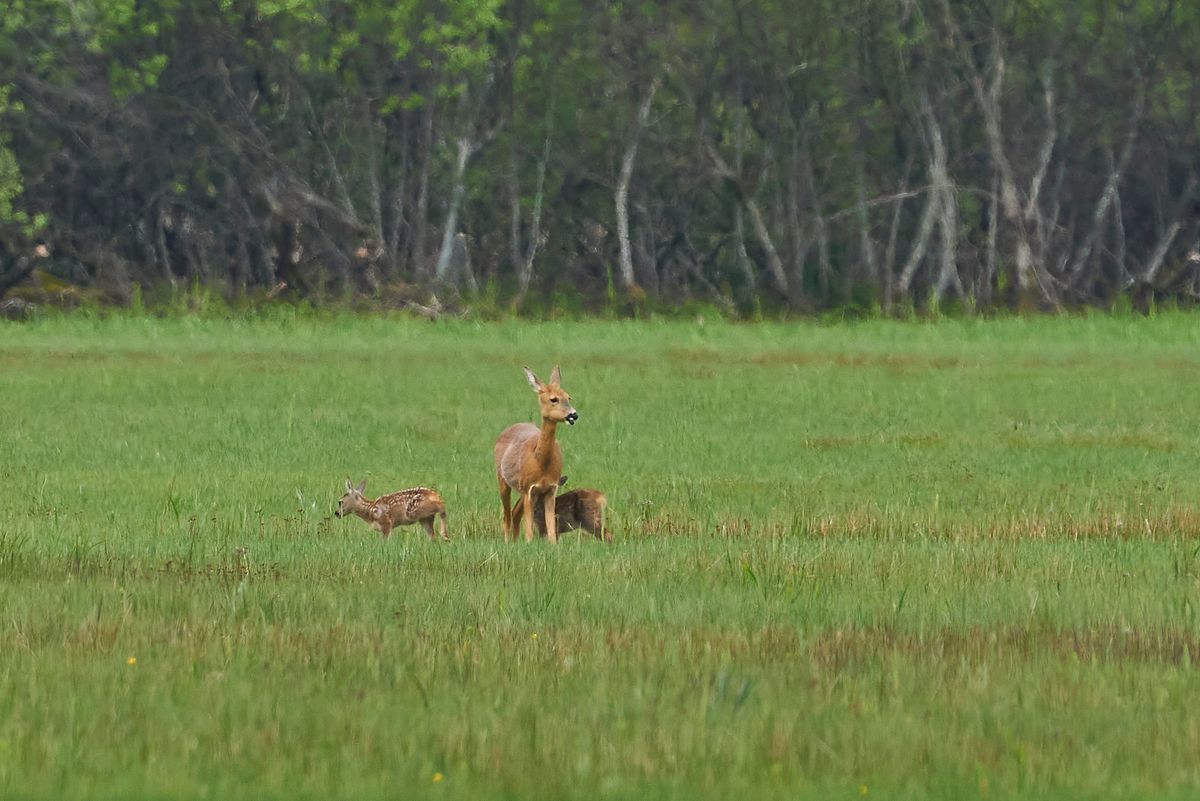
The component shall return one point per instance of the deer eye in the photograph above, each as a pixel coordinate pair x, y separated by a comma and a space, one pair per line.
554, 400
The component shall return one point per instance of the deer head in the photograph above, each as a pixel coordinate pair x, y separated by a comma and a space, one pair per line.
555, 404
352, 501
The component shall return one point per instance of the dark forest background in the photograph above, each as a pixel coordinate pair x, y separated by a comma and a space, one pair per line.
812, 155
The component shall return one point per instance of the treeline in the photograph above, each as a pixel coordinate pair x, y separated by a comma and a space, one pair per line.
752, 155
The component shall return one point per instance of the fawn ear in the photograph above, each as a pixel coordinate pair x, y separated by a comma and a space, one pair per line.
349, 486
562, 481
532, 379
362, 485
555, 375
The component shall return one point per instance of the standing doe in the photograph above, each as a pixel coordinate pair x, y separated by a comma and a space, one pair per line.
529, 461
416, 505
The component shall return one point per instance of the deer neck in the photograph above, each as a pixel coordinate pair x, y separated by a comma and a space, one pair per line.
543, 448
365, 509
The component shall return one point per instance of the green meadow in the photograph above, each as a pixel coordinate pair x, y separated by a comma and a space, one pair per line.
892, 560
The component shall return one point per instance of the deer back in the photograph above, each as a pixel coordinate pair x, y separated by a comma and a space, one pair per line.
409, 505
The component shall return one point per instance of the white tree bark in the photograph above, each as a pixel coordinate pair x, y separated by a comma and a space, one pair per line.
757, 221
622, 193
929, 217
1110, 188
523, 258
1159, 255
987, 96
465, 149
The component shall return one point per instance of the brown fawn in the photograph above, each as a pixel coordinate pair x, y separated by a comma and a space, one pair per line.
416, 505
529, 461
577, 508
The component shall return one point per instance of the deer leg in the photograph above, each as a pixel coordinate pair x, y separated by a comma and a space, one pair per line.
506, 520
442, 526
385, 528
539, 520
427, 524
518, 513
548, 503
529, 515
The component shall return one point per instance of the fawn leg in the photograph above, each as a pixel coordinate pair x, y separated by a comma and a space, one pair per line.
442, 526
427, 524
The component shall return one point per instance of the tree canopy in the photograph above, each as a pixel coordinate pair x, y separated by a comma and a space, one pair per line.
777, 155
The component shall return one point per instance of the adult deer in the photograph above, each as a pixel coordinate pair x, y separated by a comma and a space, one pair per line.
529, 461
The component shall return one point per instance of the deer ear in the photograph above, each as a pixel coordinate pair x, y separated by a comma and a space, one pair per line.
349, 486
562, 481
362, 485
532, 379
555, 375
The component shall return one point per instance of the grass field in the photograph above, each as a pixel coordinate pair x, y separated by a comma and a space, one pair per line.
891, 560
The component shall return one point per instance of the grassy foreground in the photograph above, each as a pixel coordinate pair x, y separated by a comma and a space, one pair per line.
957, 560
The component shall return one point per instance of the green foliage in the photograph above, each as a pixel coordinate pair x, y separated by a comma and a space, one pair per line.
12, 216
341, 118
949, 559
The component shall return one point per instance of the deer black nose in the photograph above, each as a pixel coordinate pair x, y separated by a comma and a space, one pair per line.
572, 417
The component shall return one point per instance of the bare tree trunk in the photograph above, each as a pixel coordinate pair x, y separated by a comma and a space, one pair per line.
398, 198
866, 241
929, 217
947, 205
889, 256
989, 276
987, 96
376, 189
1165, 239
334, 170
160, 241
757, 221
622, 193
535, 221
1046, 152
524, 263
1120, 246
933, 213
820, 231
460, 259
1160, 251
740, 255
1110, 189
1033, 215
465, 149
722, 300
774, 263
514, 209
794, 226
425, 154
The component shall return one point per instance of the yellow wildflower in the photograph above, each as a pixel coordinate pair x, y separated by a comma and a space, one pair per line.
131, 660
862, 789
437, 777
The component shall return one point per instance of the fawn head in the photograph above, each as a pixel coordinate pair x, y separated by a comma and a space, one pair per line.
555, 403
353, 498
